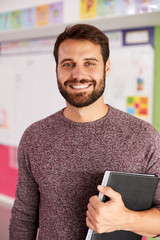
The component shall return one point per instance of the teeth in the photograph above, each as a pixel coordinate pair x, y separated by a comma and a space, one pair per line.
80, 86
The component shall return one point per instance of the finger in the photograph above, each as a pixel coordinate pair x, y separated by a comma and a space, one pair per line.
89, 223
90, 217
91, 209
94, 201
109, 192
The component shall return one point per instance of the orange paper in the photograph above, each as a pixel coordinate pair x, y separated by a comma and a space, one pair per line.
42, 15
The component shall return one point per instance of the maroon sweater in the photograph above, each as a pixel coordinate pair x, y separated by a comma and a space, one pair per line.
61, 162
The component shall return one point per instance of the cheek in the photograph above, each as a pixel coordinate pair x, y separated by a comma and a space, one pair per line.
60, 75
96, 73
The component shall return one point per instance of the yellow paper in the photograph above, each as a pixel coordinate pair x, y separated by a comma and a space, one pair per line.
88, 9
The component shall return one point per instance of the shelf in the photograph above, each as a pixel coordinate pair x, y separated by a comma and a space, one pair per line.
104, 23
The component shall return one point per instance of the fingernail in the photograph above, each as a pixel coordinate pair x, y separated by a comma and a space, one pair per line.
100, 187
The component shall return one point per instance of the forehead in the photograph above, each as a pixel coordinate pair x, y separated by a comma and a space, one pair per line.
79, 48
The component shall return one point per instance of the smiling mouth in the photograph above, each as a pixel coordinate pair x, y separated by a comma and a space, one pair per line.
82, 86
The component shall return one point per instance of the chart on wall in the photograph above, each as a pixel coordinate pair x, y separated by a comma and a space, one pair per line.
129, 85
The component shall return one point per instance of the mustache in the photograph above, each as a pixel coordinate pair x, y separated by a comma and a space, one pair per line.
74, 81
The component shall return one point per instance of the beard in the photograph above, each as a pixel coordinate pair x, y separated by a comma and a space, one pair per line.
82, 99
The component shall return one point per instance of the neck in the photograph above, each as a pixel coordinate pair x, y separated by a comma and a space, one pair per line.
90, 113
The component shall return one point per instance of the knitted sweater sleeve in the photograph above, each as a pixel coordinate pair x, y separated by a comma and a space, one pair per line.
153, 163
24, 219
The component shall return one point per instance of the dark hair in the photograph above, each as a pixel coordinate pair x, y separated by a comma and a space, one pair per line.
87, 32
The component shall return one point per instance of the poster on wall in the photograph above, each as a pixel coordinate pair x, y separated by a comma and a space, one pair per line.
28, 17
5, 21
88, 9
42, 15
106, 7
56, 13
16, 19
131, 89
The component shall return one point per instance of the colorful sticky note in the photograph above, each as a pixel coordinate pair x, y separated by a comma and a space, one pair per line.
88, 9
42, 15
130, 100
28, 17
144, 100
137, 105
131, 110
16, 19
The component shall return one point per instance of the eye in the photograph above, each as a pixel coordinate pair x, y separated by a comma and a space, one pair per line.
68, 65
89, 63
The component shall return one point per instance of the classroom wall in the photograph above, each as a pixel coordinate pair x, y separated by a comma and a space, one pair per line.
8, 163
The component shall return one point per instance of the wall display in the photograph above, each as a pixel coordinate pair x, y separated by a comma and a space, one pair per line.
106, 7
56, 13
125, 7
27, 47
96, 8
146, 6
5, 21
138, 106
16, 19
132, 90
138, 36
88, 9
28, 17
42, 15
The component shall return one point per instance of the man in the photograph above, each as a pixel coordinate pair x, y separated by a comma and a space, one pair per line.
62, 158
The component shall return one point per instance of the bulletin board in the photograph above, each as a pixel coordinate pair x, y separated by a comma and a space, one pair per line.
29, 92
130, 83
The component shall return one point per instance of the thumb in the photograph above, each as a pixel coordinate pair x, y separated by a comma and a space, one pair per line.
109, 192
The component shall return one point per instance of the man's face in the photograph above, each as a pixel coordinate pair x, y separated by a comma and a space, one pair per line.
80, 72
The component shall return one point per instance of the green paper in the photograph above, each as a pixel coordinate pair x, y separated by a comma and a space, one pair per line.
16, 19
106, 7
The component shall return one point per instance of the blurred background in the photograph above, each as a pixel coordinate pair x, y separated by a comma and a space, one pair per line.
28, 85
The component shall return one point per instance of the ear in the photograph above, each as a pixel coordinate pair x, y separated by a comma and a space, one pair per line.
107, 67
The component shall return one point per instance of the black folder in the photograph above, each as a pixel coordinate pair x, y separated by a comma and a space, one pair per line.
137, 191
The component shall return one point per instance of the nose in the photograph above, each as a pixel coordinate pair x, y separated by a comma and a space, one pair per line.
78, 72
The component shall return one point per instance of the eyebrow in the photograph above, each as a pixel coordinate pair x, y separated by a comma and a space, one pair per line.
66, 60
70, 59
92, 59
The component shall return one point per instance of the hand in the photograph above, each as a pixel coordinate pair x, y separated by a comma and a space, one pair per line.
109, 216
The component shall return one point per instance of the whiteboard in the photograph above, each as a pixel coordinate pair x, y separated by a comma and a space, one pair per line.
29, 92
